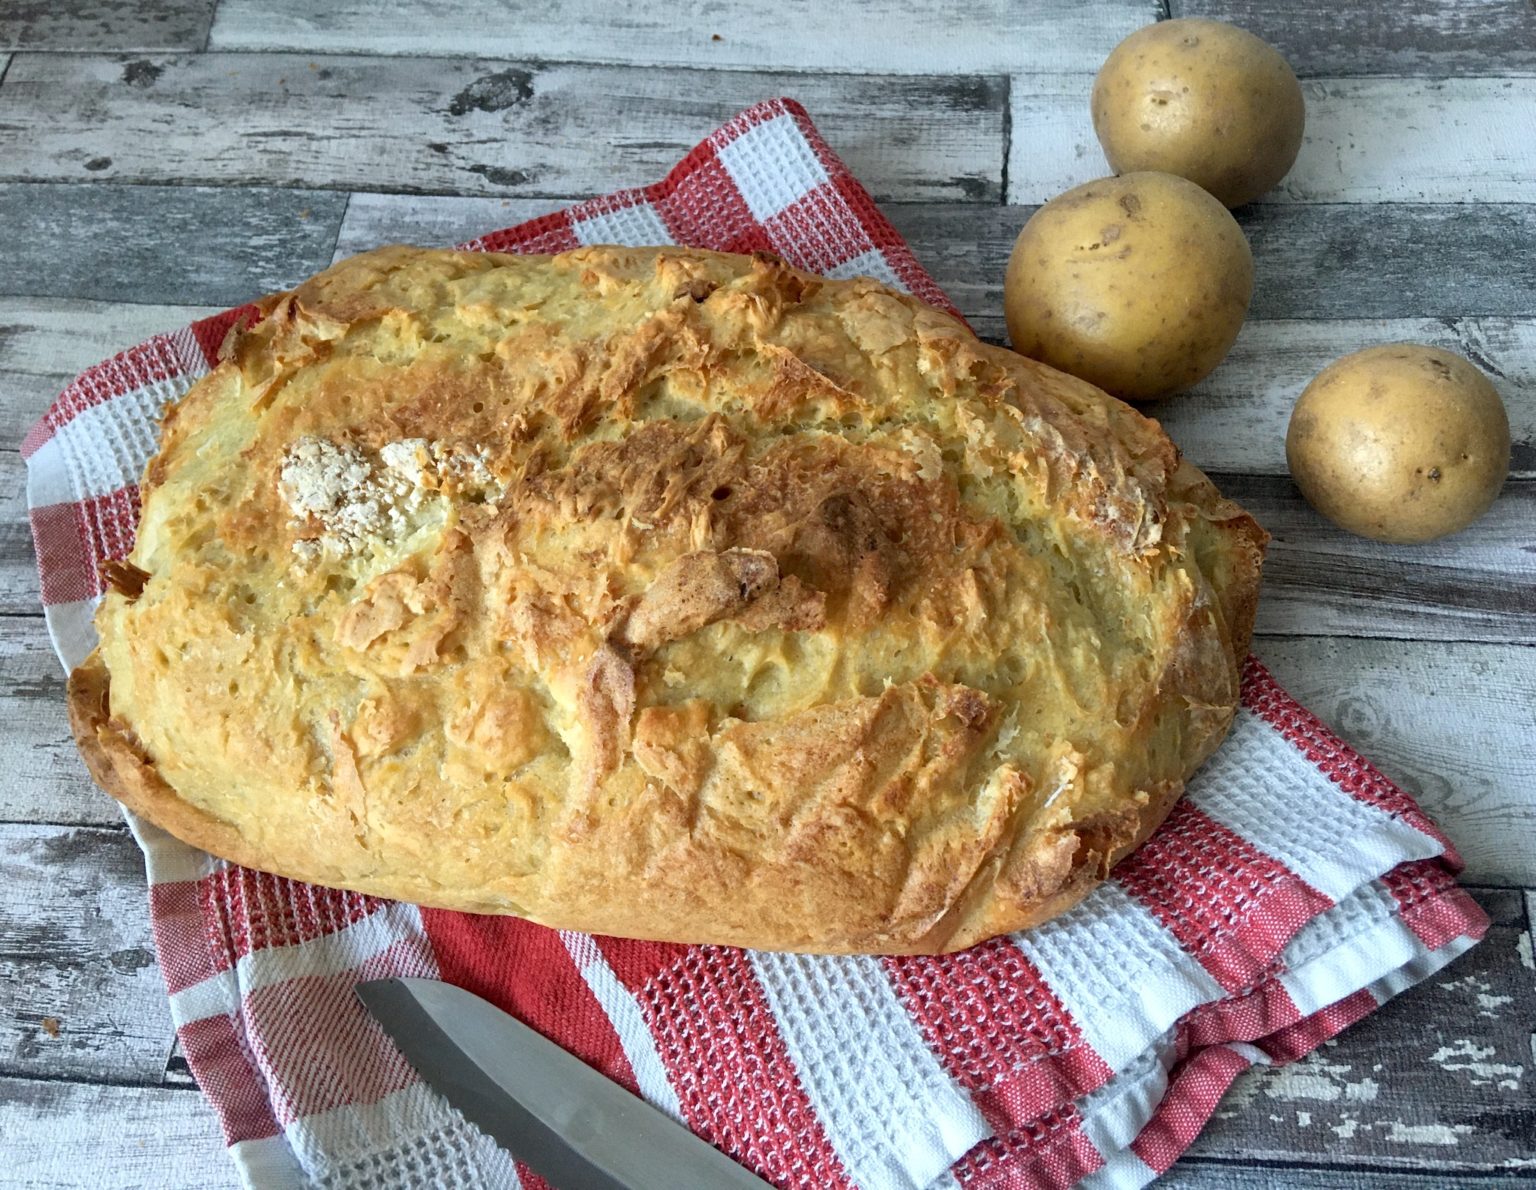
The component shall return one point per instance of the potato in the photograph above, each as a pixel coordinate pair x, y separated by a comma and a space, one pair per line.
1138, 284
1401, 443
1202, 99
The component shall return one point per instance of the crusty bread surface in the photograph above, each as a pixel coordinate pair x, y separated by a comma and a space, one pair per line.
667, 594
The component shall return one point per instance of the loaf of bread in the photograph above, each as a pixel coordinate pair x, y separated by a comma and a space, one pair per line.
668, 594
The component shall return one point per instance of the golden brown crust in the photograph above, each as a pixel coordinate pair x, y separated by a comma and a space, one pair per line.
664, 593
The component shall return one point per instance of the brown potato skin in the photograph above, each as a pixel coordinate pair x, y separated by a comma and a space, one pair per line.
1138, 284
1401, 443
1202, 99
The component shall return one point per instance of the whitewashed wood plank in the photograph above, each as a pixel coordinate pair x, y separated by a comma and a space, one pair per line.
59, 336
1438, 1078
992, 36
1478, 585
23, 399
42, 778
18, 574
1451, 723
1435, 37
472, 127
163, 243
86, 1000
1367, 260
1235, 420
105, 25
435, 220
1368, 140
1333, 261
65, 1135
1326, 261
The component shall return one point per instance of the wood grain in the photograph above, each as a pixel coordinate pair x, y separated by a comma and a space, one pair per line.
1438, 1078
1478, 585
42, 778
1434, 37
23, 398
79, 953
83, 241
1236, 419
992, 36
1451, 723
1371, 140
435, 219
465, 126
105, 25
18, 573
1347, 262
1334, 261
61, 1134
59, 337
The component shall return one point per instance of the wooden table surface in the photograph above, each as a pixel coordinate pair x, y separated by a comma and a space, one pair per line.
165, 158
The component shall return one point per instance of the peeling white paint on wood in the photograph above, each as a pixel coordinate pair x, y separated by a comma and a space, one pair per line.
989, 36
1487, 1003
1317, 1078
231, 245
1382, 140
1472, 1058
435, 220
1399, 1133
1478, 585
1341, 1103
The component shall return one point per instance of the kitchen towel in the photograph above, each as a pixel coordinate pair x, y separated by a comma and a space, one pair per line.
1290, 892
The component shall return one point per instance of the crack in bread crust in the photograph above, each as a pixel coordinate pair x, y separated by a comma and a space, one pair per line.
716, 602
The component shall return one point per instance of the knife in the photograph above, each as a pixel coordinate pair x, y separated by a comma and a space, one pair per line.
575, 1127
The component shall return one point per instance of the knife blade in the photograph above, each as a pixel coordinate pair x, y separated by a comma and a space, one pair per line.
574, 1126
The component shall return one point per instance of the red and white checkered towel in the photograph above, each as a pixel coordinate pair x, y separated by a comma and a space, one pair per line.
1292, 891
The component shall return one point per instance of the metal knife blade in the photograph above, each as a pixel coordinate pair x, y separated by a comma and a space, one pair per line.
574, 1126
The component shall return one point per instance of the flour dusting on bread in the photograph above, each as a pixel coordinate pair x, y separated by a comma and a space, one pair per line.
347, 504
